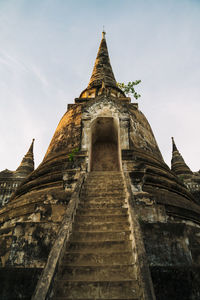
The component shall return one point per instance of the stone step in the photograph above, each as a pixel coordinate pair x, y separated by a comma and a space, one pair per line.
97, 219
98, 198
105, 191
98, 273
101, 211
87, 221
102, 204
100, 236
63, 298
103, 187
104, 173
104, 180
101, 194
99, 178
107, 201
100, 246
107, 179
96, 259
94, 290
106, 183
101, 227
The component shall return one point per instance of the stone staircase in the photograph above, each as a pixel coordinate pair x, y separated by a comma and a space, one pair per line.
98, 262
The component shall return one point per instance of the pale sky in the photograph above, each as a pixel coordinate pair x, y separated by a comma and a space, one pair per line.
47, 52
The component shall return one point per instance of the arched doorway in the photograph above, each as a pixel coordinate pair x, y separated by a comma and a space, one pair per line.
104, 145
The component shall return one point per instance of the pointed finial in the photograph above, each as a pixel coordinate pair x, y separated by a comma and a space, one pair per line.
27, 163
174, 148
178, 164
103, 33
31, 146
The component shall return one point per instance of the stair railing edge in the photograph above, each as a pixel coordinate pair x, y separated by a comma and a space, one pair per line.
146, 280
44, 283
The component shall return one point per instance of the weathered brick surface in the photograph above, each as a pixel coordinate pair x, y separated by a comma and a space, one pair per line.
67, 135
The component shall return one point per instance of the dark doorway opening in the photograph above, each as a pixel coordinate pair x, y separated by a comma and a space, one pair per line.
104, 145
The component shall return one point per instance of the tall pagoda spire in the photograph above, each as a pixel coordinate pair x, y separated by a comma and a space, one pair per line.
102, 70
102, 75
27, 163
178, 164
